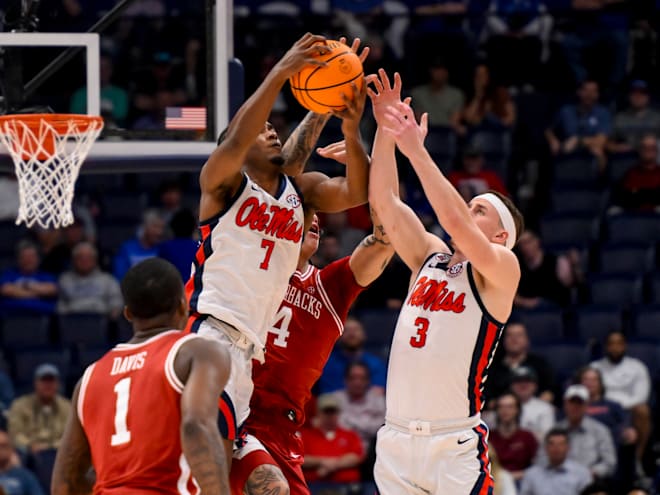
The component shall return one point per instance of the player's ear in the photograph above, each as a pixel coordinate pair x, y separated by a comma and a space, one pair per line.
501, 237
127, 314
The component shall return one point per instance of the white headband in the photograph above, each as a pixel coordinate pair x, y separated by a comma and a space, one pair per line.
505, 217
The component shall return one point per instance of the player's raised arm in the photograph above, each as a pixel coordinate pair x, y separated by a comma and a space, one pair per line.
206, 364
372, 255
224, 165
404, 229
73, 461
491, 257
340, 193
300, 144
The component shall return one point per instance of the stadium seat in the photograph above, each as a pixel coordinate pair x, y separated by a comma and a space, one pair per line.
569, 230
25, 331
112, 236
41, 464
618, 165
26, 361
564, 358
83, 329
87, 356
596, 322
575, 169
127, 207
634, 228
655, 288
441, 145
544, 325
578, 201
646, 323
379, 325
647, 353
495, 144
616, 290
626, 259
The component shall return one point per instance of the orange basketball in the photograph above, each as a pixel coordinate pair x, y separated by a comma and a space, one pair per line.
319, 89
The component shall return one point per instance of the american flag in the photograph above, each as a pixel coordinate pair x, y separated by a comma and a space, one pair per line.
185, 118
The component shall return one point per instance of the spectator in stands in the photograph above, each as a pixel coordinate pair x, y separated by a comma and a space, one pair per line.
545, 278
515, 446
582, 126
86, 289
332, 453
597, 488
362, 405
350, 349
37, 420
54, 257
555, 474
144, 246
439, 99
627, 383
635, 122
14, 479
26, 289
491, 107
517, 36
114, 100
591, 441
170, 199
537, 415
181, 249
473, 179
640, 187
516, 354
505, 484
6, 392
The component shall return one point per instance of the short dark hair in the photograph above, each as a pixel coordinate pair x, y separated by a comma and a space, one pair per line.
152, 287
615, 332
577, 379
556, 432
357, 364
518, 219
595, 488
517, 401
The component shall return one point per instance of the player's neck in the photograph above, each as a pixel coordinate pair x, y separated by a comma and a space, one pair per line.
142, 334
302, 264
267, 178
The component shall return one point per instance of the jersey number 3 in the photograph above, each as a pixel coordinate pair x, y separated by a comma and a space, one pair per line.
419, 339
121, 435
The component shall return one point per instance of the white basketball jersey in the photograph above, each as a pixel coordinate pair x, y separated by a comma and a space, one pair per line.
247, 253
443, 344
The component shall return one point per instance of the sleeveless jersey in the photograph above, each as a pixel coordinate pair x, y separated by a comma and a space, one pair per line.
129, 407
305, 329
246, 255
443, 345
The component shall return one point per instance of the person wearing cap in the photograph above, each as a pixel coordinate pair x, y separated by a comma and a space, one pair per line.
591, 441
537, 415
473, 179
36, 421
633, 123
332, 453
449, 326
555, 473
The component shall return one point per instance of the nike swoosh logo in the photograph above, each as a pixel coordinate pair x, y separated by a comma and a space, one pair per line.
254, 188
461, 442
294, 456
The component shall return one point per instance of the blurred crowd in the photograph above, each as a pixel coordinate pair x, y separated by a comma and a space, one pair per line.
553, 103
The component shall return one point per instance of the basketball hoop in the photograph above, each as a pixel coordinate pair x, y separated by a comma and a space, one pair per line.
48, 151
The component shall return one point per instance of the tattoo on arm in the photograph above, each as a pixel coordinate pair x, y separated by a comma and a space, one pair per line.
372, 239
298, 147
206, 458
267, 479
75, 470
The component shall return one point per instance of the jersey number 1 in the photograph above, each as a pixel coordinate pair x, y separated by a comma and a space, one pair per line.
419, 339
268, 245
121, 435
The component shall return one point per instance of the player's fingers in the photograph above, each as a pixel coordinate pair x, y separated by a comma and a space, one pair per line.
372, 94
424, 123
393, 118
364, 54
342, 40
313, 38
377, 83
355, 45
397, 82
384, 79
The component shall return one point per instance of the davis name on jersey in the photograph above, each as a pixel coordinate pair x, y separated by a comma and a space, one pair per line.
443, 344
245, 258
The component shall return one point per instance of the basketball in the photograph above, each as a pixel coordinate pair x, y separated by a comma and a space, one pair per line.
319, 89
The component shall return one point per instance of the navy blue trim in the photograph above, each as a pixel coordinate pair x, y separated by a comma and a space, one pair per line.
222, 421
230, 203
483, 473
473, 286
474, 365
421, 267
281, 186
199, 319
207, 245
295, 186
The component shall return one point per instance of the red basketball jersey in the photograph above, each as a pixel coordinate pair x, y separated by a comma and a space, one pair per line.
129, 407
306, 327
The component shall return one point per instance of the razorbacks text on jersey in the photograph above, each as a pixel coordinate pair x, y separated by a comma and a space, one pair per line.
443, 345
246, 255
129, 408
305, 329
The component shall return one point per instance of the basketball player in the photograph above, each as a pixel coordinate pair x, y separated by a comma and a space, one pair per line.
145, 414
433, 441
308, 323
252, 219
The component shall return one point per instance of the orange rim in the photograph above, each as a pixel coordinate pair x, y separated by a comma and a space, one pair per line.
59, 121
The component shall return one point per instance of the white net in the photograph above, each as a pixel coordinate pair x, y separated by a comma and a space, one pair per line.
47, 155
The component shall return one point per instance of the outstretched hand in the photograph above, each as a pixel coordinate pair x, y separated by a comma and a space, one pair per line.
335, 151
355, 46
402, 126
302, 53
384, 95
352, 114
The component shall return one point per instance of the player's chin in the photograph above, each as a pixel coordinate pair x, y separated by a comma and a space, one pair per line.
278, 160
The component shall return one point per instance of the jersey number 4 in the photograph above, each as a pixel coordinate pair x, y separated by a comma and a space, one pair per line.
121, 435
419, 339
281, 326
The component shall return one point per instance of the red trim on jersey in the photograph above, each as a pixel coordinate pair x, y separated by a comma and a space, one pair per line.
486, 351
485, 484
204, 251
228, 429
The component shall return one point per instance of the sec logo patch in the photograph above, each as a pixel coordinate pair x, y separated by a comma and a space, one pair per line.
293, 200
455, 270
